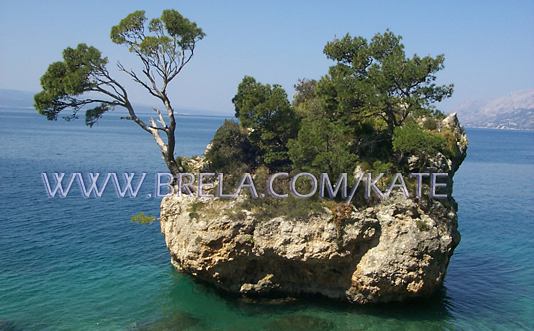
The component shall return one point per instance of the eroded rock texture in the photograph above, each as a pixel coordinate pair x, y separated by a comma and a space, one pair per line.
391, 251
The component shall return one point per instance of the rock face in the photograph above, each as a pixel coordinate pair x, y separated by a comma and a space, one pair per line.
396, 250
378, 254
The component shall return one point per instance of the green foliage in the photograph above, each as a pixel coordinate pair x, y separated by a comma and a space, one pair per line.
305, 90
422, 225
350, 113
81, 81
65, 80
93, 115
375, 79
322, 146
141, 218
235, 214
411, 139
169, 31
179, 27
452, 150
195, 208
230, 150
379, 167
372, 89
292, 208
129, 27
429, 123
306, 101
183, 164
267, 113
261, 176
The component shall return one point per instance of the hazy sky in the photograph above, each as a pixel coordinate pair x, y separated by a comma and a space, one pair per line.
488, 45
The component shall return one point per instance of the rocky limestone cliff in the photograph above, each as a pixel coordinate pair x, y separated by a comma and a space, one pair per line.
393, 251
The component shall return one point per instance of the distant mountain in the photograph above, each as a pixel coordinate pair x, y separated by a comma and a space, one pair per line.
514, 111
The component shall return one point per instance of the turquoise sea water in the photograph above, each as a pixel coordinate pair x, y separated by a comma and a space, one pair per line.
81, 264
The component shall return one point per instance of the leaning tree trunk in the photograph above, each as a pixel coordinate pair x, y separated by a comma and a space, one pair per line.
167, 152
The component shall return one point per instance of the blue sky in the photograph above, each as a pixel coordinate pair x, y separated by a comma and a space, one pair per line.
488, 45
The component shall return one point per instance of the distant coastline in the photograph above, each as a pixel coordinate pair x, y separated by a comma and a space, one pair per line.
497, 128
117, 114
23, 100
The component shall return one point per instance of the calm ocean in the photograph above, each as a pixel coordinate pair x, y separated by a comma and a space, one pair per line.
81, 264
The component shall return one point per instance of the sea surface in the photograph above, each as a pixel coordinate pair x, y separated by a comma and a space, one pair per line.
81, 264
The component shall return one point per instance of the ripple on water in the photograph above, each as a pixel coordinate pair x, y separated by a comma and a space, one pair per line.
77, 264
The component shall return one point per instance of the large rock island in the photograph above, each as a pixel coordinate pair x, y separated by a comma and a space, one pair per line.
389, 251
